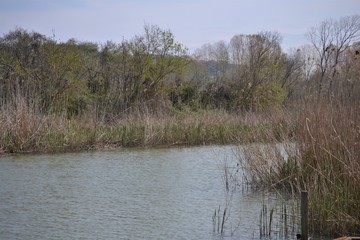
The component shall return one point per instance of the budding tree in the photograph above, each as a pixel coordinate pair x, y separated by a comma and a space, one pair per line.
257, 69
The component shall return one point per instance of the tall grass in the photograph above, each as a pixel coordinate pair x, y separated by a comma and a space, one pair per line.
330, 154
23, 129
323, 157
20, 128
279, 222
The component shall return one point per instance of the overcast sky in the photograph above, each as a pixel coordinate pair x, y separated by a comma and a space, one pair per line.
193, 22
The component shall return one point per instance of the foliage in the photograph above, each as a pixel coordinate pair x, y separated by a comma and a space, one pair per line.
269, 95
48, 76
73, 76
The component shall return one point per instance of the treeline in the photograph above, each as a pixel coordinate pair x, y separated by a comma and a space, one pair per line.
152, 72
74, 77
255, 73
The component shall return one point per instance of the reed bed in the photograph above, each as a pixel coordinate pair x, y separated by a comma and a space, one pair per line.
24, 130
330, 154
322, 157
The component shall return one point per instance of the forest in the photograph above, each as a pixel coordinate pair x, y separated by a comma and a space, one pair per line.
150, 91
153, 73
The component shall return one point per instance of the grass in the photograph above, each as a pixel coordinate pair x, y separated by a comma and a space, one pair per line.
330, 156
325, 161
279, 221
24, 130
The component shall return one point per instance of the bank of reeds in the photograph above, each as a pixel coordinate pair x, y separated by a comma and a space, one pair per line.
23, 130
330, 154
323, 158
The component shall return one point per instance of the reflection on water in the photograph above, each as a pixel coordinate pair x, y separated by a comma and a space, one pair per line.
132, 194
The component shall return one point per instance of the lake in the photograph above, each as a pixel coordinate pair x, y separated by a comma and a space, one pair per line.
167, 193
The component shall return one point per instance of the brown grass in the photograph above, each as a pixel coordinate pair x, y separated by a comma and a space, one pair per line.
325, 161
25, 130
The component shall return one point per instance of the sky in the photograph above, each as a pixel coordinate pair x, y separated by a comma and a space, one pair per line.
193, 22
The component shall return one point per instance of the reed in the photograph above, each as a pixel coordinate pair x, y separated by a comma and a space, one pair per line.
276, 222
219, 219
20, 128
321, 157
24, 129
330, 153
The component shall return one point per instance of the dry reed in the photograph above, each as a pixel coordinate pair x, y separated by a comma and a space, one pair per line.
325, 161
26, 130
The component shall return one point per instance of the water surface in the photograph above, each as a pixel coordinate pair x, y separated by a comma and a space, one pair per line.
127, 194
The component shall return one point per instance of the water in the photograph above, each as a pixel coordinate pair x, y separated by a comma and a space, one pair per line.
128, 194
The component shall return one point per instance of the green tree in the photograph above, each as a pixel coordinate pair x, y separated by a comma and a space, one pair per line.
258, 63
133, 72
19, 57
45, 74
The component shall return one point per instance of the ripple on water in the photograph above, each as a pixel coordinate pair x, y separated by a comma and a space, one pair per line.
137, 194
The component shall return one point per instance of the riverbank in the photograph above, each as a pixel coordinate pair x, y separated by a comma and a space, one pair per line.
326, 162
24, 131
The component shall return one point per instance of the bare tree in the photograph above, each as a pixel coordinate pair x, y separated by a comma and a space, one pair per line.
330, 40
307, 55
217, 56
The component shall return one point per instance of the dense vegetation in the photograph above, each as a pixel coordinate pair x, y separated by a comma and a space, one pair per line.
148, 91
153, 73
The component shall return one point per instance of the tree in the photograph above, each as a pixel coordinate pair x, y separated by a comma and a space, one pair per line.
331, 39
133, 72
215, 62
163, 56
62, 77
18, 59
41, 72
349, 73
257, 62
